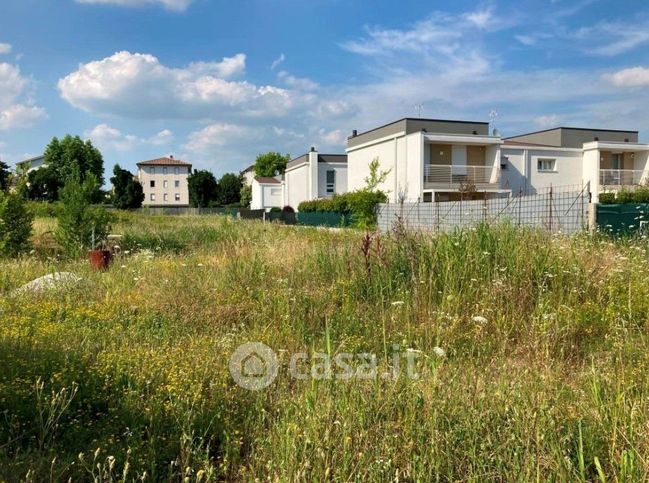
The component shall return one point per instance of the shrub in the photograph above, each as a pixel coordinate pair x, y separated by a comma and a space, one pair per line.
81, 226
607, 198
288, 209
275, 209
15, 225
42, 209
361, 204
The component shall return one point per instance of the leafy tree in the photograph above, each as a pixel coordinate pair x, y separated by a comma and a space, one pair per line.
246, 196
72, 155
43, 184
127, 191
229, 190
271, 164
5, 176
81, 226
203, 188
15, 225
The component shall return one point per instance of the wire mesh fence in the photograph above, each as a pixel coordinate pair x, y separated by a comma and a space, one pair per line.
558, 210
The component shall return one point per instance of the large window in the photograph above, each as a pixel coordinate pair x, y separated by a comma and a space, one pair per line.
177, 184
164, 170
177, 170
546, 165
177, 198
152, 184
331, 181
164, 183
152, 197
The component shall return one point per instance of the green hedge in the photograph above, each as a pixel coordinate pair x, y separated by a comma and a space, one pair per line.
638, 195
360, 203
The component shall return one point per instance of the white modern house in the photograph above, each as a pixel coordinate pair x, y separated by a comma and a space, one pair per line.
429, 159
31, 164
164, 181
600, 160
307, 177
247, 175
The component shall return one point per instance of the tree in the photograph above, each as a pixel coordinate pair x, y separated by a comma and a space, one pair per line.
376, 177
73, 155
127, 191
15, 225
43, 184
229, 189
202, 188
81, 226
246, 196
5, 176
271, 164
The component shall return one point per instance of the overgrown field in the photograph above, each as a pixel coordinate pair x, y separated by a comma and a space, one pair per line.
532, 356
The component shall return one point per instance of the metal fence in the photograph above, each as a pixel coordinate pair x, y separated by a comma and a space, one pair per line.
557, 210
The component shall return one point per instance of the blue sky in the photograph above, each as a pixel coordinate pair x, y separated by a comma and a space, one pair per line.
216, 82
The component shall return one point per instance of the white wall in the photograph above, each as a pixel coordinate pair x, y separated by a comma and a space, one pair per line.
296, 183
341, 178
522, 169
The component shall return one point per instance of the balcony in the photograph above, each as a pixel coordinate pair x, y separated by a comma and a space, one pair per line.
453, 176
622, 177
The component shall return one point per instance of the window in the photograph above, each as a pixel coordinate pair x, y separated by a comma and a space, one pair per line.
547, 165
165, 197
164, 183
177, 197
177, 184
164, 170
152, 196
275, 191
331, 181
152, 183
151, 170
176, 170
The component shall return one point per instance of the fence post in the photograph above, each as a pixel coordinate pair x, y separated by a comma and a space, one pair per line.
484, 208
520, 202
550, 201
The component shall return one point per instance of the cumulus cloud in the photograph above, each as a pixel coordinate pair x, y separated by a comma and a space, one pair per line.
301, 83
112, 139
139, 86
176, 5
16, 111
631, 77
5, 48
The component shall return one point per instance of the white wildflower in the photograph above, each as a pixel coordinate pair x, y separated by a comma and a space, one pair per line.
439, 352
397, 303
479, 319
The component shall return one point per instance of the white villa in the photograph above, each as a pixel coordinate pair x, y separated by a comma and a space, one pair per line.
307, 177
444, 160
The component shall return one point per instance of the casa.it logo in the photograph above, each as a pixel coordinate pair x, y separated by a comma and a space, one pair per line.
254, 366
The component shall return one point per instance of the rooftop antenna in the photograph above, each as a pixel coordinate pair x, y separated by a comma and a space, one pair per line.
493, 115
419, 108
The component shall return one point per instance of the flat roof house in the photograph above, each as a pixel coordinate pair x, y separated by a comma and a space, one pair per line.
428, 159
307, 177
597, 159
164, 181
31, 164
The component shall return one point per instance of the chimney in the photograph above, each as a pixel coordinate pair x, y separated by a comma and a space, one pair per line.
171, 156
312, 149
354, 133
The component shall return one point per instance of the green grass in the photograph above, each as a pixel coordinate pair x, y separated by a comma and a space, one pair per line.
130, 369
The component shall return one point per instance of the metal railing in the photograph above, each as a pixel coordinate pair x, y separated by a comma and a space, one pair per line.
454, 175
622, 177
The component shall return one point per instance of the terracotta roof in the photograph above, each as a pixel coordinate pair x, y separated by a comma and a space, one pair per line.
267, 180
163, 162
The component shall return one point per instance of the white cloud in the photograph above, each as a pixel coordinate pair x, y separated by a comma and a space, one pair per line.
16, 111
176, 5
276, 63
481, 18
613, 38
301, 83
111, 139
526, 39
335, 137
631, 77
216, 136
139, 86
5, 48
551, 120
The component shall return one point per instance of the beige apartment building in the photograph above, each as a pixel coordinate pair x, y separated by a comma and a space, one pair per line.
164, 181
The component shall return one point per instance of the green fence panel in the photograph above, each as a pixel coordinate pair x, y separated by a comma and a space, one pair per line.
323, 218
623, 219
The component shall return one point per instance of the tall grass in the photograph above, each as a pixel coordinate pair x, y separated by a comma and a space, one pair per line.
541, 374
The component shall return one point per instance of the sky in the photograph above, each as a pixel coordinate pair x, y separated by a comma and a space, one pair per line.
216, 82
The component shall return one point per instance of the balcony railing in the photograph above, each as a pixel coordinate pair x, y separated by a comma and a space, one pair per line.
452, 176
622, 177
